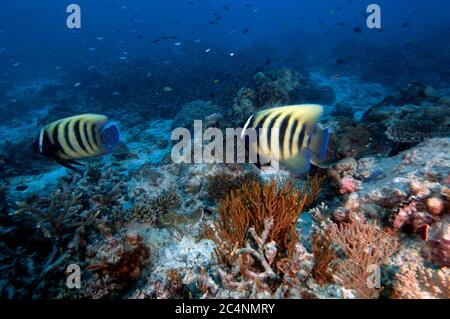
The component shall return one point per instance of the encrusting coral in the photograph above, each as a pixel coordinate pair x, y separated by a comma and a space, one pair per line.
152, 209
410, 130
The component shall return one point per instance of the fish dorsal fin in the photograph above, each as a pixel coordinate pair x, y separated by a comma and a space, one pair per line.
246, 126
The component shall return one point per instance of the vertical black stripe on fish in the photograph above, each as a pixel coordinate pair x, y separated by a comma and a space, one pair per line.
258, 128
301, 137
270, 126
87, 136
282, 134
77, 131
67, 136
55, 138
291, 135
94, 135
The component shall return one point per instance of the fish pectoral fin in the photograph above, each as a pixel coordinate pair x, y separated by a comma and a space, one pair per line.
65, 163
319, 144
300, 163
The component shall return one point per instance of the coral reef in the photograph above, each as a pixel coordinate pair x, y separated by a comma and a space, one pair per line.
365, 246
324, 257
410, 130
117, 262
152, 209
257, 274
221, 184
244, 105
140, 226
415, 282
249, 207
194, 110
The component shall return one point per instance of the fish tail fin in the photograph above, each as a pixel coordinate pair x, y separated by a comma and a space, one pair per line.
319, 144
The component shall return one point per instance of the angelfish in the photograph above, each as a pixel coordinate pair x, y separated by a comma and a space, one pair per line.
290, 135
76, 137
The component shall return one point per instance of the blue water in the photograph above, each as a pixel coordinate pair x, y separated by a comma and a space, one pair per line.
35, 35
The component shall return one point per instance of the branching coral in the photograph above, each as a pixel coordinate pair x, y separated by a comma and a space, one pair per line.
63, 214
365, 246
256, 274
414, 282
264, 254
324, 257
250, 205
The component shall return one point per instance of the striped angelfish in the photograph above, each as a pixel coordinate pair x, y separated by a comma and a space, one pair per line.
76, 137
289, 135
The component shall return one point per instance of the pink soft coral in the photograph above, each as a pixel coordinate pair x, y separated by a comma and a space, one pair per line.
348, 185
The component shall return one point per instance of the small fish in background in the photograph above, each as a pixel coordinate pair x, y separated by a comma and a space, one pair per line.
340, 61
207, 50
216, 19
123, 58
320, 21
177, 44
167, 89
406, 25
231, 54
77, 137
342, 24
165, 37
116, 93
245, 31
300, 140
77, 84
197, 41
2, 50
357, 30
99, 38
92, 49
226, 8
17, 64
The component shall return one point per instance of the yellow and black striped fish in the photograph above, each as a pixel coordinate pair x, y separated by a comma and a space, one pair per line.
76, 137
290, 135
